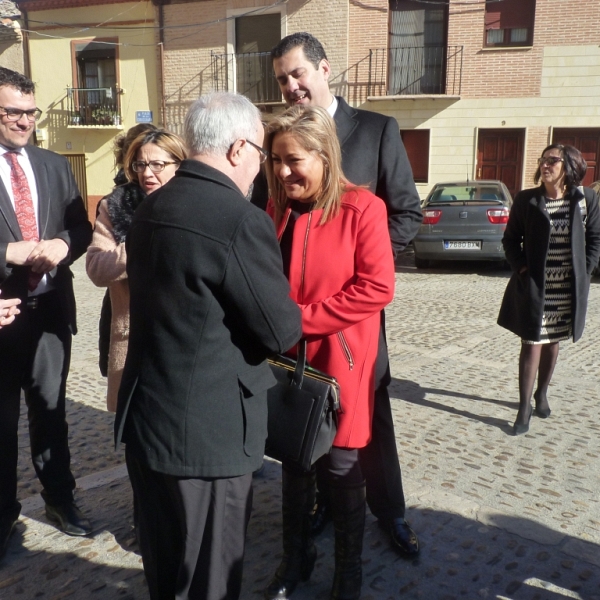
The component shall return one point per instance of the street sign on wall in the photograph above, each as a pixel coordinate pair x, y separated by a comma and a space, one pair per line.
143, 116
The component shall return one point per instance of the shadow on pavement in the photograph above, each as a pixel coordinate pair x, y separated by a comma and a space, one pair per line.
474, 554
42, 562
467, 551
405, 263
409, 391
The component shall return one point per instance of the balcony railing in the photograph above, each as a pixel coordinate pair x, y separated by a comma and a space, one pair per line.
93, 106
415, 71
250, 74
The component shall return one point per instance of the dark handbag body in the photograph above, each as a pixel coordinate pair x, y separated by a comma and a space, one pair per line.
303, 408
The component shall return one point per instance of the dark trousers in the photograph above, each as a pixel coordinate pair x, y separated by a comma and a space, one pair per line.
192, 532
379, 459
380, 464
35, 352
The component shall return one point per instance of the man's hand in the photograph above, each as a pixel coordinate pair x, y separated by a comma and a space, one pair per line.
47, 254
17, 253
8, 311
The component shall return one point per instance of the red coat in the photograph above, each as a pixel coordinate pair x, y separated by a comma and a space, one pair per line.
348, 279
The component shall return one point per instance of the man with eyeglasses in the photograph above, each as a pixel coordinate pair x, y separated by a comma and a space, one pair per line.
209, 302
43, 229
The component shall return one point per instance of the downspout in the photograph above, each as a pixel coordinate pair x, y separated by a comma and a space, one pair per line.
161, 46
26, 53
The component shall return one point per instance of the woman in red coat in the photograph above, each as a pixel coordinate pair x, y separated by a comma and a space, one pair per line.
338, 258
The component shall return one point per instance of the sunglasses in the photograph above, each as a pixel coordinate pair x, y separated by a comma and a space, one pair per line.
549, 160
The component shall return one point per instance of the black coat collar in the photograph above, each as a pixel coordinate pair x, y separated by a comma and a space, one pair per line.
199, 170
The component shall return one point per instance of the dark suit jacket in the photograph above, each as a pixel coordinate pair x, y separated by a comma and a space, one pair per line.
209, 303
373, 156
61, 214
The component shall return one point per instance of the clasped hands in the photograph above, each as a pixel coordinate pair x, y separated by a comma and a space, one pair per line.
41, 256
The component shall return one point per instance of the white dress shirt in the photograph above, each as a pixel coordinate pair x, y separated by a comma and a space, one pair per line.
44, 284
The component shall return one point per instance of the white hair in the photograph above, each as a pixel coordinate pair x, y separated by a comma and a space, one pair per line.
215, 121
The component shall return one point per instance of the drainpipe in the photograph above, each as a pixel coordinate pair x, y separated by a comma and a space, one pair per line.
26, 54
161, 46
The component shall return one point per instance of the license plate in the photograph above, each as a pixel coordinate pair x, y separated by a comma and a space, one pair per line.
462, 245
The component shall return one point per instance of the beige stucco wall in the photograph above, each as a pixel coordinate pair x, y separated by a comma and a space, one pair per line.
11, 54
570, 88
51, 69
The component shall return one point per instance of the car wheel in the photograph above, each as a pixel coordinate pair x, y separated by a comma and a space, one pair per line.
421, 263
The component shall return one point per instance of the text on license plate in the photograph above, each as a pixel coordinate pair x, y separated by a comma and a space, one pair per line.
462, 245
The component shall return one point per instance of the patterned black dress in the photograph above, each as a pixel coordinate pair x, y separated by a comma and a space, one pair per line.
556, 321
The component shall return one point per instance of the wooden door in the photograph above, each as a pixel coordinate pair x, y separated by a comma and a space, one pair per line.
500, 156
587, 141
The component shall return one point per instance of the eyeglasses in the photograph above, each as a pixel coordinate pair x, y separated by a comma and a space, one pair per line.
156, 166
263, 153
549, 160
15, 114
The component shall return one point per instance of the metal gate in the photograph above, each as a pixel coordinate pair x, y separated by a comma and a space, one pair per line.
77, 162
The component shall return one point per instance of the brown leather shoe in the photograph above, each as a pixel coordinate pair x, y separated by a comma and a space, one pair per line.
68, 518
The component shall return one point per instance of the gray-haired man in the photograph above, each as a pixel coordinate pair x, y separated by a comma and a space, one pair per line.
209, 302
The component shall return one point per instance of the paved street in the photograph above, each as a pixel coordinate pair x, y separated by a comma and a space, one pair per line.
498, 517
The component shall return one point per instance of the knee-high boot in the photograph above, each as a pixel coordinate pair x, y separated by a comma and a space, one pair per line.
348, 506
299, 552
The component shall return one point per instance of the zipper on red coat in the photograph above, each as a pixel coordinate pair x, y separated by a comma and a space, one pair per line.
346, 349
282, 230
304, 256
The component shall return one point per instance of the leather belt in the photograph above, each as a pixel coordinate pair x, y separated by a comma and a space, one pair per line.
34, 302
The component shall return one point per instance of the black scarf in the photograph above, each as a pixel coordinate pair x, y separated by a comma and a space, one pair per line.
121, 204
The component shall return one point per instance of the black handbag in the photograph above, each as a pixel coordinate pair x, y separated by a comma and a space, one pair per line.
303, 408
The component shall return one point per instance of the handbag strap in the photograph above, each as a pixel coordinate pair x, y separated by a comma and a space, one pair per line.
300, 364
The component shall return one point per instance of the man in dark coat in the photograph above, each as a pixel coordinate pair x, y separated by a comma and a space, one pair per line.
43, 229
372, 155
209, 303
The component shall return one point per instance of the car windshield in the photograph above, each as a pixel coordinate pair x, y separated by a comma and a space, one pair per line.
466, 193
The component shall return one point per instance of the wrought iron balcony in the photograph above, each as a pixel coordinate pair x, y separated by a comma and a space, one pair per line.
415, 71
250, 74
93, 106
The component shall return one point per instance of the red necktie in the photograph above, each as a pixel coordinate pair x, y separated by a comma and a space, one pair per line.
23, 209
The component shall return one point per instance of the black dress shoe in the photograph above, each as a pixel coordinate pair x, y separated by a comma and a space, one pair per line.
542, 411
68, 518
404, 539
7, 525
520, 429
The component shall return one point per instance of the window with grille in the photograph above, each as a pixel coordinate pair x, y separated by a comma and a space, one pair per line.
95, 88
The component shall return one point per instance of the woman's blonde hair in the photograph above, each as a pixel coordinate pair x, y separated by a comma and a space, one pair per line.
171, 143
314, 130
123, 141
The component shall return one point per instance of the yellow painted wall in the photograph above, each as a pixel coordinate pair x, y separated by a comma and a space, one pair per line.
569, 98
51, 69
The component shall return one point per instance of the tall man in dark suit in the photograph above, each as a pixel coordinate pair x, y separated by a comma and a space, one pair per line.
372, 155
209, 303
43, 229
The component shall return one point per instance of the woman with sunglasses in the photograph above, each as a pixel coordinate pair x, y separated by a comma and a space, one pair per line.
552, 243
150, 161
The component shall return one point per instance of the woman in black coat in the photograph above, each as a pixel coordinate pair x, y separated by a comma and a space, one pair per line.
552, 243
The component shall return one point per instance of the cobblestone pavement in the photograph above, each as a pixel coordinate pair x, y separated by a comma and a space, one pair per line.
498, 517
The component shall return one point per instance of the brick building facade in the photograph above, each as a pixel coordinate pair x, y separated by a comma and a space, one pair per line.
478, 88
